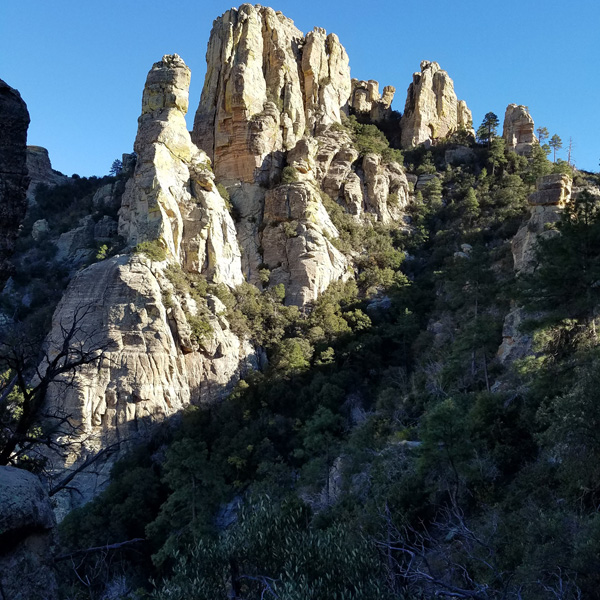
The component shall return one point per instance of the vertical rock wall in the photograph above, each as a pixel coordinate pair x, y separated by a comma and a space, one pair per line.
14, 121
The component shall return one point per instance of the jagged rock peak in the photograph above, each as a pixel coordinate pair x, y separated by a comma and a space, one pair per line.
518, 130
14, 121
266, 85
432, 110
171, 197
365, 98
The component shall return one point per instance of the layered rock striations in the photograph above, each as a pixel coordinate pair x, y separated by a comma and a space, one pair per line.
518, 129
158, 347
432, 110
14, 121
40, 171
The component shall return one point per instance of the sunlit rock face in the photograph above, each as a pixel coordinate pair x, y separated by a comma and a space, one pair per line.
150, 362
518, 129
432, 110
267, 84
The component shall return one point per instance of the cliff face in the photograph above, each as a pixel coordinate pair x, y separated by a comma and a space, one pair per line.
432, 110
14, 121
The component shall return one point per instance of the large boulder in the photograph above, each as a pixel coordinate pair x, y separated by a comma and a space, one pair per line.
26, 525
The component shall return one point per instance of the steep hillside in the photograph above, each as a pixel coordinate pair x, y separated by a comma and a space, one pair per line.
312, 348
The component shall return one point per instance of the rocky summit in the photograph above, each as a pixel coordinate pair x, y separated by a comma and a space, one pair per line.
312, 348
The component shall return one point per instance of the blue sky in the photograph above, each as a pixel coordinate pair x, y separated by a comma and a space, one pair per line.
81, 65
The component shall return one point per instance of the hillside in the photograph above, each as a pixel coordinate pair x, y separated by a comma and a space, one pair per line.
313, 348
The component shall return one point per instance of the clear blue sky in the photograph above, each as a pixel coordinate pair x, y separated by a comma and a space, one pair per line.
81, 65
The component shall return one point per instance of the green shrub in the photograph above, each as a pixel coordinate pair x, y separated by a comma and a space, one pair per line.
225, 195
201, 328
153, 249
289, 175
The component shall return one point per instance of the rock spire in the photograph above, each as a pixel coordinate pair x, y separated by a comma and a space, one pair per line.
518, 129
432, 110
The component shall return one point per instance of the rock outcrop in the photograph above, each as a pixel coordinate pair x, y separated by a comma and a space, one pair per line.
158, 347
547, 202
432, 110
297, 246
518, 129
366, 99
266, 85
26, 525
553, 192
14, 121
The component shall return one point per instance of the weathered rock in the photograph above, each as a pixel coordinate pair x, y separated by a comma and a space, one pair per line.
515, 344
518, 129
171, 197
151, 366
547, 202
26, 523
39, 229
265, 85
14, 121
296, 243
156, 356
460, 155
365, 99
432, 110
383, 182
77, 245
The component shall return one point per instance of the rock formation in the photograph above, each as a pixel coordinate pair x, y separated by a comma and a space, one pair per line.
40, 170
547, 202
432, 110
26, 524
14, 121
171, 197
151, 361
366, 99
518, 129
266, 84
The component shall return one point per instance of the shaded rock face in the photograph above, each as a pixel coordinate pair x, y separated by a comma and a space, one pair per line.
129, 313
432, 110
26, 524
518, 129
546, 204
266, 85
14, 121
366, 99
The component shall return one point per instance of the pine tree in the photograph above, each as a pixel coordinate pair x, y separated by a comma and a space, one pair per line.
488, 129
556, 144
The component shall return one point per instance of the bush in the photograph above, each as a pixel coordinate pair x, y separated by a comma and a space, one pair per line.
289, 175
152, 249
